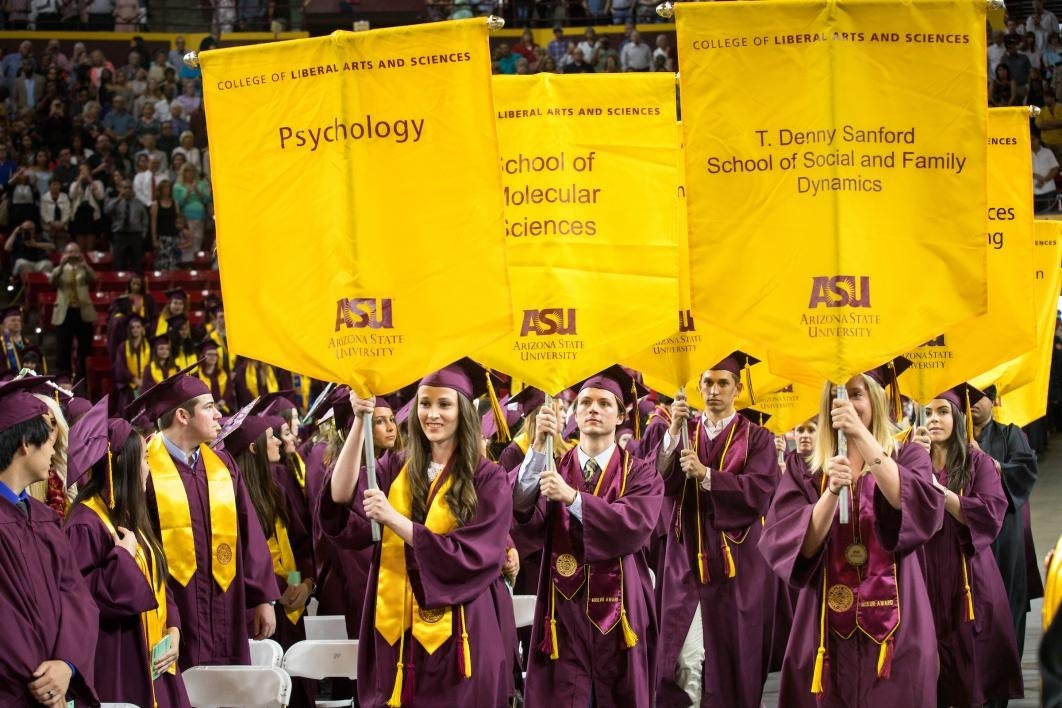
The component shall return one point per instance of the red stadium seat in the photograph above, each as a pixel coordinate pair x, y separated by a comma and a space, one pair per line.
100, 260
113, 281
35, 284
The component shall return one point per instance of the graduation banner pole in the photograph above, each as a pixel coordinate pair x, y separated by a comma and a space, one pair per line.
550, 464
370, 464
842, 449
685, 428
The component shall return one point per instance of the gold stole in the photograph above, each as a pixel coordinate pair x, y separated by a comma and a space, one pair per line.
283, 561
175, 518
300, 472
396, 607
154, 622
162, 326
157, 372
134, 359
223, 379
250, 377
182, 360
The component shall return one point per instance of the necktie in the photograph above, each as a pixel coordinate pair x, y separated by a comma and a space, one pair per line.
590, 472
23, 506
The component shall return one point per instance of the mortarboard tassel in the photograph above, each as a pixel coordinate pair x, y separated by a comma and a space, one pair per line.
635, 413
728, 558
748, 382
629, 637
969, 418
820, 656
548, 646
110, 478
885, 659
896, 402
968, 590
499, 415
464, 658
395, 701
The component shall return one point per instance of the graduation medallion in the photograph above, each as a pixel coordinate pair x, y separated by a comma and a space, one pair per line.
855, 554
224, 554
840, 598
566, 565
431, 616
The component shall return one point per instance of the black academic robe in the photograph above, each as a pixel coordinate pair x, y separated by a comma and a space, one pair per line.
1008, 445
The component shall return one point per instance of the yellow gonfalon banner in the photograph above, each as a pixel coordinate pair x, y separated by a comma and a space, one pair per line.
823, 196
589, 172
360, 223
790, 406
1022, 404
1008, 329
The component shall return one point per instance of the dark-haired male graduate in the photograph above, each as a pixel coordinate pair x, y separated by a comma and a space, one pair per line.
219, 563
718, 594
594, 633
50, 621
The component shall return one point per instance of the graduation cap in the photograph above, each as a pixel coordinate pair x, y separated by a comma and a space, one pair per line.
887, 376
754, 416
274, 403
168, 394
31, 353
158, 338
472, 381
75, 407
617, 381
391, 401
175, 323
512, 412
963, 397
244, 428
177, 294
207, 345
528, 400
17, 402
402, 414
10, 311
738, 362
91, 437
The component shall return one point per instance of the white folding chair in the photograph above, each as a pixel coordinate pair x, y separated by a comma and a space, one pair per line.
524, 609
326, 627
118, 705
323, 658
265, 652
237, 686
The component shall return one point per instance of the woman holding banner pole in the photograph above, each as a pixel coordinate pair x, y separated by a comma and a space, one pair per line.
863, 626
431, 632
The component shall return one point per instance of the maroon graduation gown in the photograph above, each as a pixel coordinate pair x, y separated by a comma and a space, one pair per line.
47, 610
592, 664
123, 377
979, 659
462, 567
850, 678
213, 631
736, 613
122, 593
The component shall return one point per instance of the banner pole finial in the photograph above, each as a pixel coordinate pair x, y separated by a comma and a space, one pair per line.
495, 23
665, 10
191, 60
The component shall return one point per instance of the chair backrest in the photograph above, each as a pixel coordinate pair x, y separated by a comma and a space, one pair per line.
118, 705
323, 658
237, 686
326, 627
265, 652
524, 609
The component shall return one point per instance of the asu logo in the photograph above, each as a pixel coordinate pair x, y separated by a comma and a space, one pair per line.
364, 312
686, 323
839, 291
936, 342
552, 320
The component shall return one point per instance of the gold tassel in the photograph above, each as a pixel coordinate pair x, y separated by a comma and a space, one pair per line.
731, 569
700, 568
968, 590
110, 478
499, 415
634, 412
969, 418
555, 650
395, 701
629, 637
894, 393
748, 382
465, 648
816, 675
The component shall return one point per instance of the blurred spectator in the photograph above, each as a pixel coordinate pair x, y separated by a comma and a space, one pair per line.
604, 51
589, 45
193, 198
523, 68
1037, 87
28, 88
23, 198
1028, 48
74, 313
129, 228
41, 172
250, 15
53, 54
144, 183
131, 66
100, 14
126, 15
65, 169
97, 65
18, 14
176, 55
636, 55
505, 59
646, 12
12, 63
188, 99
578, 65
1019, 66
611, 65
56, 213
663, 49
56, 128
164, 231
29, 250
1041, 23
548, 66
86, 204
7, 165
1002, 91
187, 148
558, 46
119, 123
177, 120
526, 47
620, 10
1045, 169
224, 18
1051, 57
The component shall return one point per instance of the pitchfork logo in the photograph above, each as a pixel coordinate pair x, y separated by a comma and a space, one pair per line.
840, 291
686, 323
549, 321
364, 312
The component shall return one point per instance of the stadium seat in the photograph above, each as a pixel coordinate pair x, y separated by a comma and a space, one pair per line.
237, 686
524, 609
321, 659
326, 627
